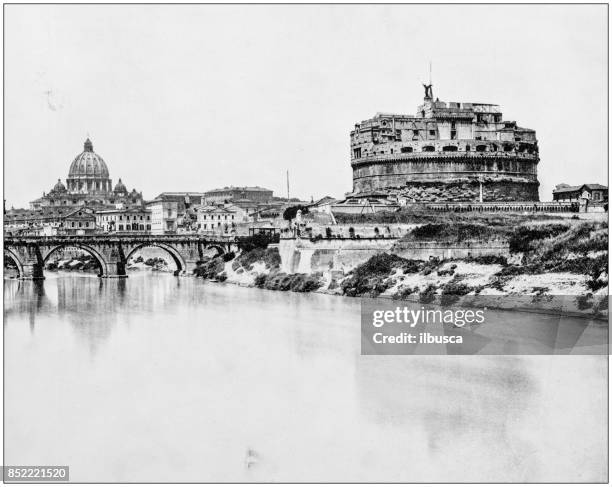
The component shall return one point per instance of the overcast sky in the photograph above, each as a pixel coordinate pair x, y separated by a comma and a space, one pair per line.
188, 98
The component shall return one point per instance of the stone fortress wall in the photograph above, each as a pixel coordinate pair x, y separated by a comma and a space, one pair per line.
453, 147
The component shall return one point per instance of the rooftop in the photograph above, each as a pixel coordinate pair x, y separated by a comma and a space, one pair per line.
238, 188
123, 210
568, 189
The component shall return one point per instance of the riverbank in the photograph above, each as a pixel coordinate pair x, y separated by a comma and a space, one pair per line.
549, 265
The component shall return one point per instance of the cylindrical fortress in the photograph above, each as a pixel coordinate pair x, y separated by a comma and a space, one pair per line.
449, 152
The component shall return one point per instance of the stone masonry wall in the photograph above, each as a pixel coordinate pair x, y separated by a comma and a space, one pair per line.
470, 192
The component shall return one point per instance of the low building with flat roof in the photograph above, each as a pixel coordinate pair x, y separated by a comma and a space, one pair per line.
219, 219
256, 194
593, 192
124, 220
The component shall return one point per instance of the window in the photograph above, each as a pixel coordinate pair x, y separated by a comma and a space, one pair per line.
481, 148
429, 148
449, 148
406, 149
432, 132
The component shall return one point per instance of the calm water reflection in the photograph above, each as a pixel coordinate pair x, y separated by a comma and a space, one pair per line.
157, 378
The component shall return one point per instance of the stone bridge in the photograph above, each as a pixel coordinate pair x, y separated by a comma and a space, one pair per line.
113, 251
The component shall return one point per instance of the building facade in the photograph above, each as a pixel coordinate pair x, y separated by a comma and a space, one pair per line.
446, 152
186, 219
164, 216
220, 219
50, 221
255, 194
88, 183
81, 221
596, 193
124, 220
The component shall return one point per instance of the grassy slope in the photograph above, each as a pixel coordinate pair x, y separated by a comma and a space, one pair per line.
576, 247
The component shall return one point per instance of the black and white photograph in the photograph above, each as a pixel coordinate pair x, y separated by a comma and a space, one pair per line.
305, 243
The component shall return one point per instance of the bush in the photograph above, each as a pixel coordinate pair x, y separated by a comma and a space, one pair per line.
428, 294
456, 232
453, 290
257, 241
306, 283
260, 280
270, 257
279, 281
291, 212
498, 283
488, 260
524, 237
405, 292
413, 266
370, 277
155, 261
210, 268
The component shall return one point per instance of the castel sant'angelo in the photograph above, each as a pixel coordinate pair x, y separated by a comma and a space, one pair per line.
446, 152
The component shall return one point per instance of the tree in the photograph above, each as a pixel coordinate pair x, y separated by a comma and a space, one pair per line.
291, 211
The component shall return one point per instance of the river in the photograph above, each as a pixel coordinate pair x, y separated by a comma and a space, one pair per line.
159, 378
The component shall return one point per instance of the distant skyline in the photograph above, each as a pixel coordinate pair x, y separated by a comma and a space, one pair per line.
196, 97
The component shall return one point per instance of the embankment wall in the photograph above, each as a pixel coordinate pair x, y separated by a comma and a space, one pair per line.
343, 254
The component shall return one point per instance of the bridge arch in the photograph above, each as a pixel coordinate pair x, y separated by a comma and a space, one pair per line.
219, 248
11, 255
179, 261
102, 263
